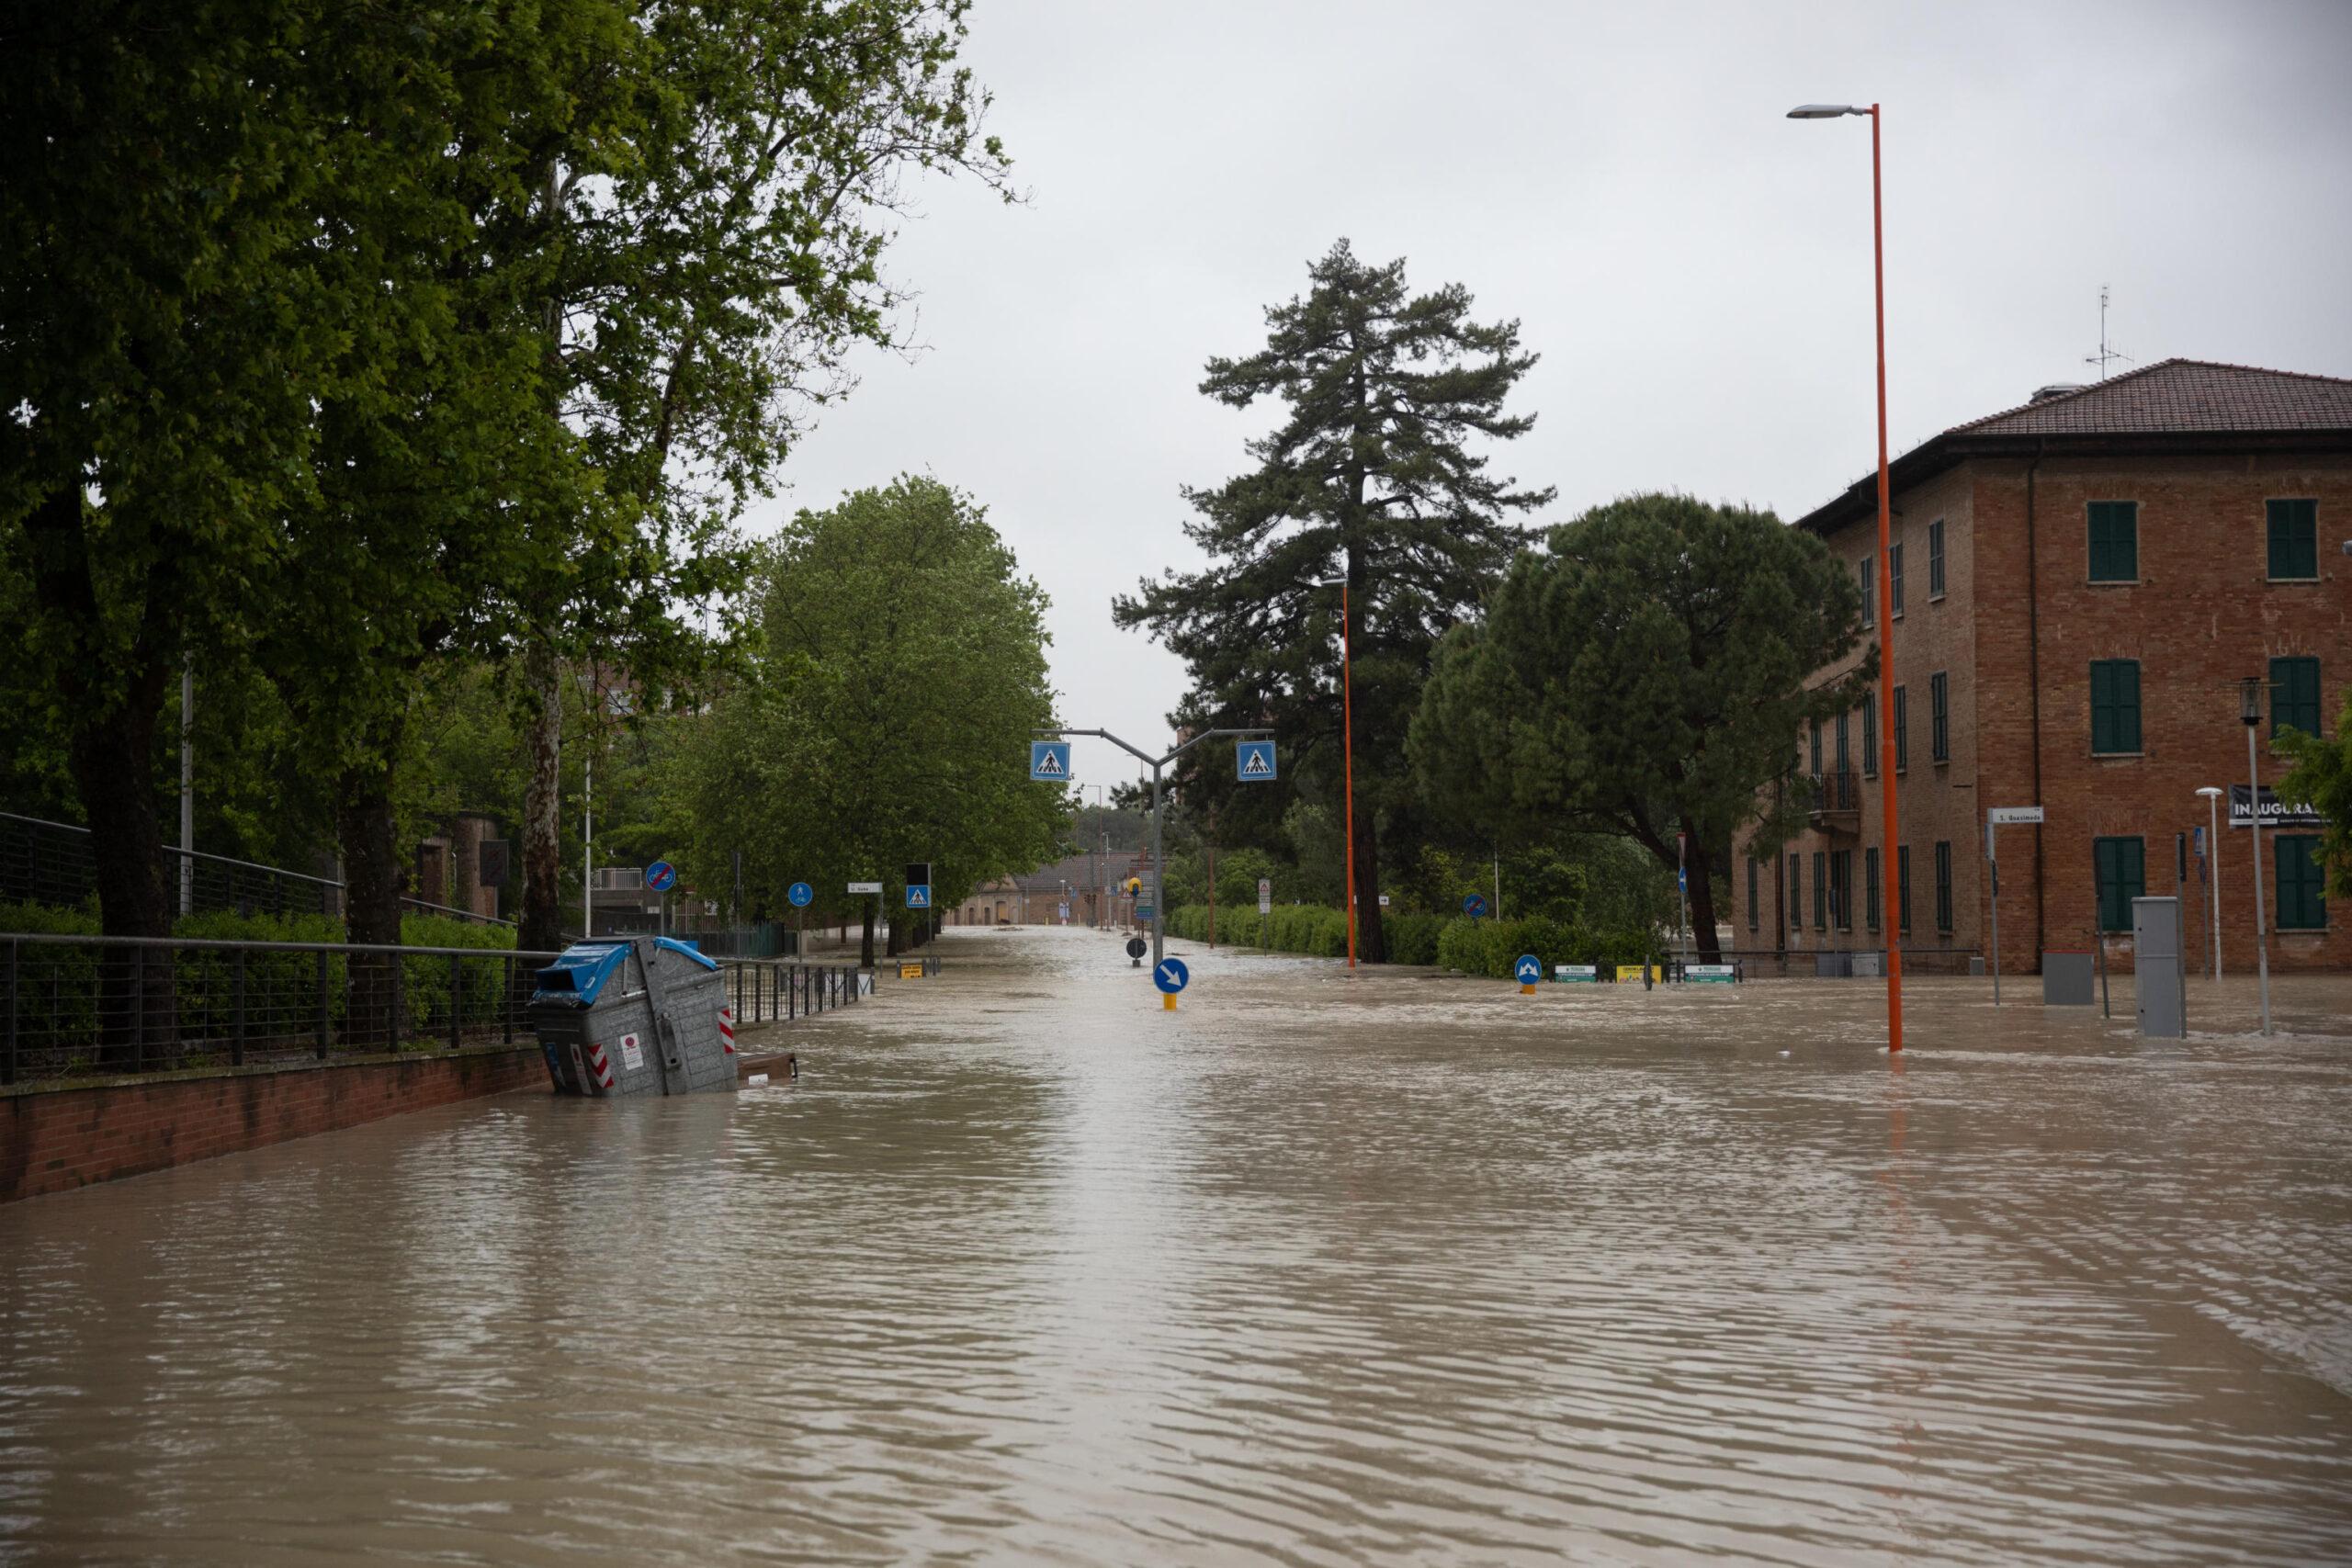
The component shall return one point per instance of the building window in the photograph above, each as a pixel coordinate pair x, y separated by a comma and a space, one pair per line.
1870, 886
1939, 717
1796, 892
1936, 558
2119, 866
1895, 583
1943, 885
2301, 905
1753, 916
2294, 539
1870, 735
1820, 893
1841, 884
2115, 541
1817, 748
1902, 731
1867, 573
1903, 888
1845, 757
2115, 707
2294, 695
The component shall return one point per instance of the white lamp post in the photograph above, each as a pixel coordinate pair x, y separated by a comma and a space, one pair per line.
2250, 710
2213, 794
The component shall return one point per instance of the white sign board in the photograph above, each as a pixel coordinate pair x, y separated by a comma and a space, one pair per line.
2012, 815
1384, 900
632, 1054
1265, 896
866, 887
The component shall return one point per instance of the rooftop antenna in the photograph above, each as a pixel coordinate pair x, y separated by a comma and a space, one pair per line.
2105, 352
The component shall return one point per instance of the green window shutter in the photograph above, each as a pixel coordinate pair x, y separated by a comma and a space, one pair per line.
2294, 539
2121, 871
1869, 737
1869, 885
1796, 892
2115, 541
1902, 735
1867, 573
2294, 695
1903, 888
1844, 753
1939, 718
1943, 884
2115, 705
1820, 892
1936, 558
1895, 581
2302, 904
1817, 748
1753, 914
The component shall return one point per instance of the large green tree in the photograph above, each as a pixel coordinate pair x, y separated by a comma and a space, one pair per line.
1645, 674
2321, 778
1371, 477
713, 281
897, 675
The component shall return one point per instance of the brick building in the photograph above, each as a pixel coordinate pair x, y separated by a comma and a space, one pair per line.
2080, 584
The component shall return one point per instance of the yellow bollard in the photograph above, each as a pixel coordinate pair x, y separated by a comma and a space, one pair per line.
1527, 990
1168, 1001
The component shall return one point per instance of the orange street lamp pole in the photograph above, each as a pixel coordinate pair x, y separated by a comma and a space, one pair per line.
1886, 569
1347, 747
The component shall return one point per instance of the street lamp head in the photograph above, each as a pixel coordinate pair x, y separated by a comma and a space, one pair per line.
2211, 792
2250, 699
1824, 112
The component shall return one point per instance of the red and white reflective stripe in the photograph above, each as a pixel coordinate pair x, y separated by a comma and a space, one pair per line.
602, 1070
726, 1029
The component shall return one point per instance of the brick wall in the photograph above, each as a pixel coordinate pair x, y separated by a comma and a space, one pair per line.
53, 1139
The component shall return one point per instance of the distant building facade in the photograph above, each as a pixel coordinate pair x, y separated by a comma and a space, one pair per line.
2080, 584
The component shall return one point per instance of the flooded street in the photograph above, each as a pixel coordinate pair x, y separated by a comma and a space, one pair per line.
1319, 1269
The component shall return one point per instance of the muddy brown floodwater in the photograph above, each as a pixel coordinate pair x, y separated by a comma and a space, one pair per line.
1318, 1269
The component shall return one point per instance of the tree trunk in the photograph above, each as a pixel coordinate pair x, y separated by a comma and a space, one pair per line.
1703, 899
865, 944
1372, 934
372, 879
897, 936
541, 927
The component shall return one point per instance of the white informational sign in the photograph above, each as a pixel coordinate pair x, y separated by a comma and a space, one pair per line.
1384, 900
1577, 973
2013, 816
1265, 896
632, 1054
866, 887
1709, 974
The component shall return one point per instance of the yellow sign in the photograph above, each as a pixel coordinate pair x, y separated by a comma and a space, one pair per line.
1636, 972
910, 971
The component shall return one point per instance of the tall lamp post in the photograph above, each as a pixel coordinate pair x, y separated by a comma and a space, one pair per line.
1885, 572
1347, 747
2250, 710
2212, 794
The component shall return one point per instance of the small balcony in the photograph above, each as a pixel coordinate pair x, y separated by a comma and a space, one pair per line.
1837, 804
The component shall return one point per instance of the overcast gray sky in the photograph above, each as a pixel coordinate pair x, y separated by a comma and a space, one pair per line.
1694, 268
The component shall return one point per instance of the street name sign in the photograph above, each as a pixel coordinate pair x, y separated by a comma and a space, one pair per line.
800, 894
1050, 761
660, 877
1253, 761
2013, 816
866, 887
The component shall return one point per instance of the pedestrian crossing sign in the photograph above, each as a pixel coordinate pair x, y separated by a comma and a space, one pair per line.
918, 895
1049, 760
1253, 761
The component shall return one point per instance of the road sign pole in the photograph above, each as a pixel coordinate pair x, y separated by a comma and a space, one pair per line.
1158, 872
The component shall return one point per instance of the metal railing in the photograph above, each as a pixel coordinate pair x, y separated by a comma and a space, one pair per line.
1836, 793
85, 1006
1803, 962
49, 863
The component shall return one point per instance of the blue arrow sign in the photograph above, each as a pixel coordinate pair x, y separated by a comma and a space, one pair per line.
918, 895
1681, 880
1475, 905
661, 875
1050, 761
1253, 761
801, 894
1530, 969
1170, 976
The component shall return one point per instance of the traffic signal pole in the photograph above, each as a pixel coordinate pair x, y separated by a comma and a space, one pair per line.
1159, 858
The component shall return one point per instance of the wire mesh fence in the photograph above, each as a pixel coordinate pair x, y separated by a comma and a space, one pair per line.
1839, 964
75, 1006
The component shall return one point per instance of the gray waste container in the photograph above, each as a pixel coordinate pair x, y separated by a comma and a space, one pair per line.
634, 1017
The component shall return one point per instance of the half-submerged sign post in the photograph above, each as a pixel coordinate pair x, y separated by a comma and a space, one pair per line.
2000, 817
1529, 970
1253, 763
1170, 976
800, 896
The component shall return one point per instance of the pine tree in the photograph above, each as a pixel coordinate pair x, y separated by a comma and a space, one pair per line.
1370, 478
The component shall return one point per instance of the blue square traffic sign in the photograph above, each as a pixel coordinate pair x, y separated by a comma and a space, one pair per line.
1049, 760
1253, 761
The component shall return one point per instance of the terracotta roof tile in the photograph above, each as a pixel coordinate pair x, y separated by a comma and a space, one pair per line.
2181, 395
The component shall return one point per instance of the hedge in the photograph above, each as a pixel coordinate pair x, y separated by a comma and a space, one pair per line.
1491, 947
1312, 928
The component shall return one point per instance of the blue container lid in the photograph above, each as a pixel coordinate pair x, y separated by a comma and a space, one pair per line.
579, 974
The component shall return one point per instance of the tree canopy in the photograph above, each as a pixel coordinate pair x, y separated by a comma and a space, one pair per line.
1370, 478
1643, 674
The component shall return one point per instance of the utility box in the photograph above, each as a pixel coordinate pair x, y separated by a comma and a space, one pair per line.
2068, 979
2161, 981
1832, 965
649, 1016
1864, 965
